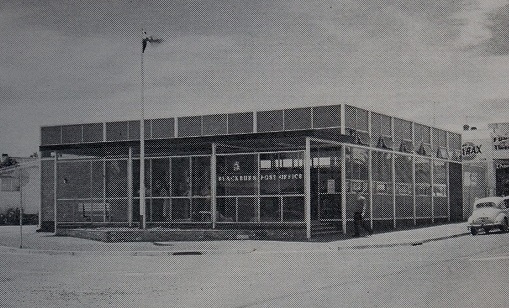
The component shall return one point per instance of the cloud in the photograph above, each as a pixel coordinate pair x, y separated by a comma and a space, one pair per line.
498, 43
80, 61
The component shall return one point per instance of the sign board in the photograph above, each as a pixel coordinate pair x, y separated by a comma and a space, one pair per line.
469, 150
331, 186
501, 142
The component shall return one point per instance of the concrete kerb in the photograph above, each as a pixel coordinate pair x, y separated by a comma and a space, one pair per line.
154, 253
413, 237
402, 243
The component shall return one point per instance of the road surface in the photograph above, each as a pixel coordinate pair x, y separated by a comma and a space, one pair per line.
459, 272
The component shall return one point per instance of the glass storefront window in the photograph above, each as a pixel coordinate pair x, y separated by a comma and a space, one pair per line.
330, 206
382, 184
440, 191
291, 173
326, 183
269, 167
74, 179
403, 135
422, 177
160, 177
281, 173
201, 176
270, 209
382, 166
201, 209
328, 165
136, 178
237, 175
181, 176
158, 209
404, 187
247, 210
293, 209
422, 188
97, 179
227, 209
116, 211
356, 163
422, 134
180, 209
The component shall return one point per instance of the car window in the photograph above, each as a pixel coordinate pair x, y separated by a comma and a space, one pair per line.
484, 204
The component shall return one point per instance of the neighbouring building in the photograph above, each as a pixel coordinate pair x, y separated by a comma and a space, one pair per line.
19, 186
485, 163
282, 169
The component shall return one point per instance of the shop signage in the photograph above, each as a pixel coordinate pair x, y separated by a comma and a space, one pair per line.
469, 150
263, 177
502, 166
501, 142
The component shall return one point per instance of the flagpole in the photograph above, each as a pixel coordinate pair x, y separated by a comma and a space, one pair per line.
142, 150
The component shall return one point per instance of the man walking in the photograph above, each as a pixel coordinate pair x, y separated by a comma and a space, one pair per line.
358, 215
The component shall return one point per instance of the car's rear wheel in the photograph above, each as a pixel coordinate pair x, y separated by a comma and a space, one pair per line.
473, 231
505, 226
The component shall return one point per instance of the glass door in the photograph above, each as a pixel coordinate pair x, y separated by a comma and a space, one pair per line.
326, 184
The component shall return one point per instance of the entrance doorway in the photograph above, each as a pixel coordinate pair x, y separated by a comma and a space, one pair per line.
326, 185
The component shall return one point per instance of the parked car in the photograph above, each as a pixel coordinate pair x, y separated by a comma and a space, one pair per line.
489, 213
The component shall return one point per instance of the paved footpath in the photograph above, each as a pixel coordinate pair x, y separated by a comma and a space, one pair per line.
46, 243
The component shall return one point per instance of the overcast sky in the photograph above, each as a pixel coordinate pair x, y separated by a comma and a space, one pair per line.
64, 62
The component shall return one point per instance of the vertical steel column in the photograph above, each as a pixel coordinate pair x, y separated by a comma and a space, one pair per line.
151, 190
258, 194
213, 184
39, 190
190, 195
104, 190
370, 171
20, 179
413, 188
343, 188
447, 163
130, 188
432, 181
370, 187
433, 157
393, 170
55, 191
342, 117
307, 187
91, 187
